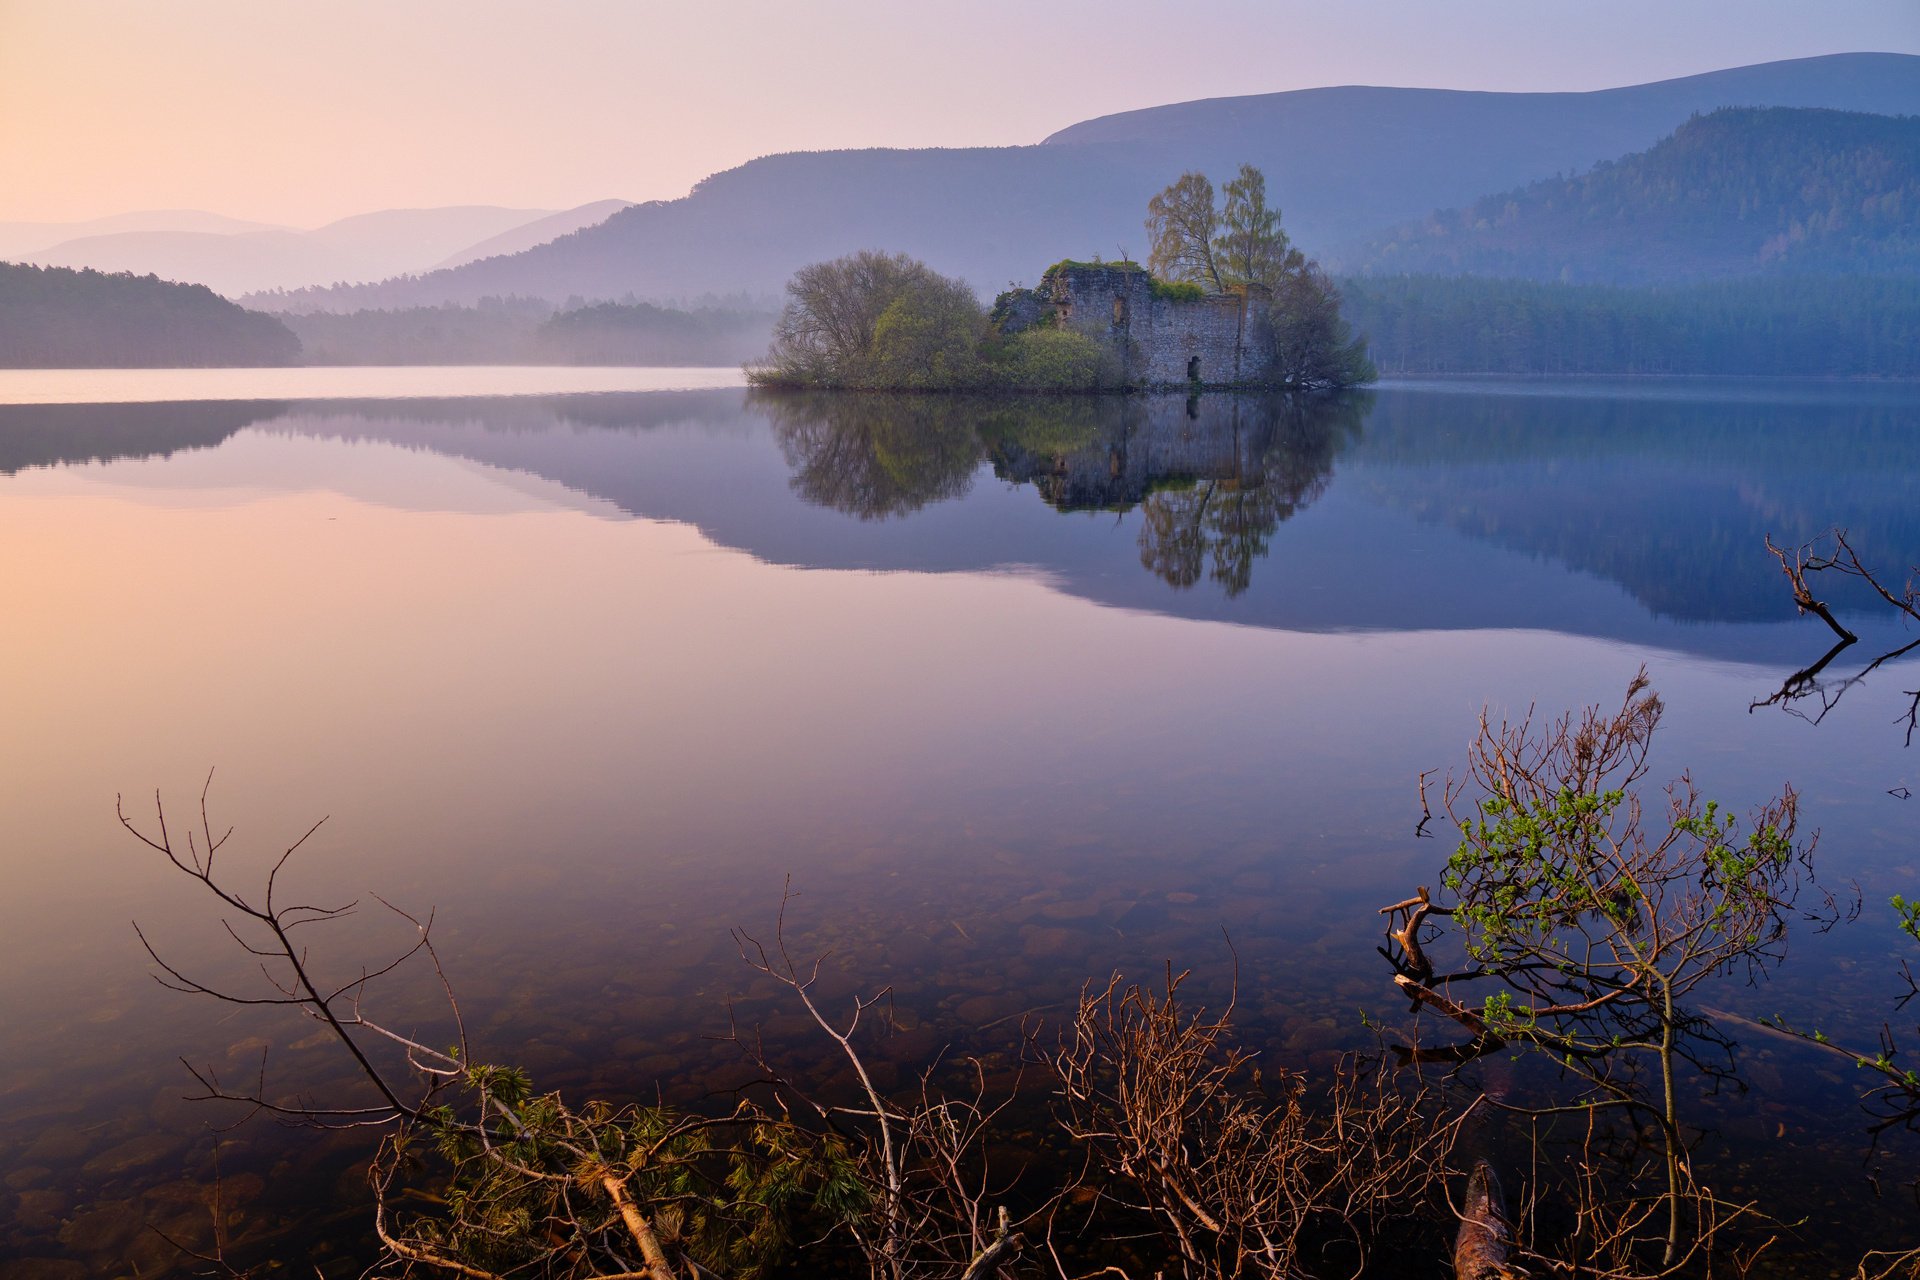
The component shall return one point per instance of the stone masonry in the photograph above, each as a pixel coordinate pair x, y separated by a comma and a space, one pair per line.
1221, 339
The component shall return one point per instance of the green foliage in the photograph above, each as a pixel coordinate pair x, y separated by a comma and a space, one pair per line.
1177, 290
875, 321
1251, 247
1804, 326
1095, 264
928, 338
1048, 359
736, 1196
56, 317
1740, 191
1909, 916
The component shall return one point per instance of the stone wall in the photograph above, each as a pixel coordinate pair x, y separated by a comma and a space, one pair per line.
1221, 339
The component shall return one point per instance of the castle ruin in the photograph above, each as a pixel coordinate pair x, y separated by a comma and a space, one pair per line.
1160, 336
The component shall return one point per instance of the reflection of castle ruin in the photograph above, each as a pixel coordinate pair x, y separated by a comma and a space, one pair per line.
1213, 477
1159, 336
1141, 446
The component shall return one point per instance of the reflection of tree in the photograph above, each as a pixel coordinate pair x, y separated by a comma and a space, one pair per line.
1213, 478
875, 456
1225, 519
1805, 687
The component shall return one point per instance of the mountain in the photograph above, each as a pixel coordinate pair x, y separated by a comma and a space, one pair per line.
247, 258
57, 318
18, 240
539, 231
1741, 191
1345, 163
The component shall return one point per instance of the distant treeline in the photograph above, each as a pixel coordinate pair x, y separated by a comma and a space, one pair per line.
1798, 326
531, 331
60, 318
1741, 191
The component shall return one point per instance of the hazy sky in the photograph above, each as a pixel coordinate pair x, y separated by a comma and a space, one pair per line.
299, 111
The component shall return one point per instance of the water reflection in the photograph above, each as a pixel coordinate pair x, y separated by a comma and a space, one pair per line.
515, 647
56, 434
1458, 509
1212, 476
875, 456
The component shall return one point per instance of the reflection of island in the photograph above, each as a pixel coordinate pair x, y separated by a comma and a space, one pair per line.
1213, 477
1615, 512
46, 435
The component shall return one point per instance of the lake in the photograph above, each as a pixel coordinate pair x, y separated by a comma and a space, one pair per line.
1015, 692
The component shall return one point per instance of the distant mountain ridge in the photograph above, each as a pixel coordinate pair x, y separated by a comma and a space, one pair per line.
235, 258
1741, 191
1345, 164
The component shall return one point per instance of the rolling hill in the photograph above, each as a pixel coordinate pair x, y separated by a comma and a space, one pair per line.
1347, 164
240, 258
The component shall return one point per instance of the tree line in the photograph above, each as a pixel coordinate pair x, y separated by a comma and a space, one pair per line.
1807, 326
533, 331
61, 318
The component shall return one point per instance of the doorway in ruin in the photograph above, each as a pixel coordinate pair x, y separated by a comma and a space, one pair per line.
1193, 369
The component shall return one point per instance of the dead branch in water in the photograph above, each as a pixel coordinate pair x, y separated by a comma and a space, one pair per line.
1805, 685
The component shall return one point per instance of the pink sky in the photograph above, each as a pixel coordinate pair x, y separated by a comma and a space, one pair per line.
300, 111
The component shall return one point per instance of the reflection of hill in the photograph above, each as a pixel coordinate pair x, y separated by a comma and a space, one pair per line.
1594, 511
1669, 497
46, 435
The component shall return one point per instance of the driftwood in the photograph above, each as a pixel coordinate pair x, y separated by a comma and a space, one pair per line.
1485, 1243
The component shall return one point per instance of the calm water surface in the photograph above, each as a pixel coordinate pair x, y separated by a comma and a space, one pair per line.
1017, 693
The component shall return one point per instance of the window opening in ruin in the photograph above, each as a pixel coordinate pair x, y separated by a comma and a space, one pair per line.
1120, 308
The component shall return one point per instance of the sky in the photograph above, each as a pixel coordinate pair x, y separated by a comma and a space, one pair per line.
300, 111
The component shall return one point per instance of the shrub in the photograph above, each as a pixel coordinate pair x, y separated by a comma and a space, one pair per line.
1053, 359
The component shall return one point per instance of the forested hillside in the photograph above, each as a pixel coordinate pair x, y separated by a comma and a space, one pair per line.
1741, 191
1807, 326
1344, 164
56, 317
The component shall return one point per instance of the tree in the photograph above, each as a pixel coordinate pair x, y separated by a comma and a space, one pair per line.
1242, 244
1251, 247
929, 336
1596, 921
873, 320
1313, 344
1180, 232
